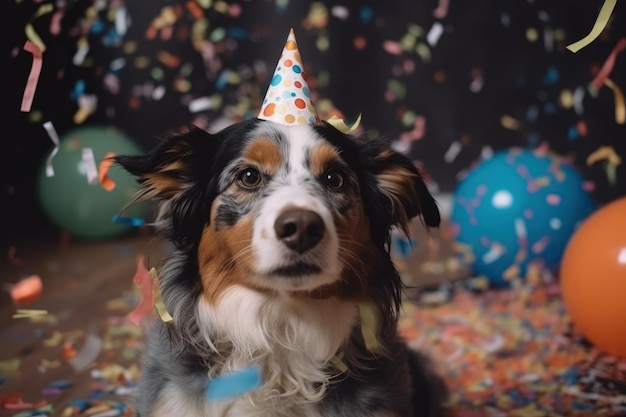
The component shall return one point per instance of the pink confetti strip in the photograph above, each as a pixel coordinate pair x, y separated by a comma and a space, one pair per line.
607, 67
442, 9
145, 306
54, 137
33, 77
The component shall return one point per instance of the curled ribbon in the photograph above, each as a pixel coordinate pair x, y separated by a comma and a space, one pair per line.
599, 25
342, 126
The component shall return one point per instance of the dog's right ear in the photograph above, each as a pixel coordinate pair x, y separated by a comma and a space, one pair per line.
177, 174
170, 168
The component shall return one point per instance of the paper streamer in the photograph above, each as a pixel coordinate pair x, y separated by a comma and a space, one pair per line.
89, 163
158, 298
337, 360
54, 137
33, 77
30, 30
342, 126
604, 153
620, 103
607, 67
369, 326
23, 313
103, 172
143, 279
601, 21
234, 384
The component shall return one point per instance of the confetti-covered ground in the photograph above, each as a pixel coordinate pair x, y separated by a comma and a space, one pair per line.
515, 353
503, 353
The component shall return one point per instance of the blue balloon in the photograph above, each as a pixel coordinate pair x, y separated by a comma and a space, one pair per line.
516, 209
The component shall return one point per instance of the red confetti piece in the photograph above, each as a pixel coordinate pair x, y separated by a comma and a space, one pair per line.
607, 67
33, 77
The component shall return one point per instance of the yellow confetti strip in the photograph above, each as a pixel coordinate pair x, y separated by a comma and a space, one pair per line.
342, 126
509, 122
601, 21
369, 326
620, 103
30, 30
613, 160
27, 313
337, 360
10, 365
158, 298
604, 153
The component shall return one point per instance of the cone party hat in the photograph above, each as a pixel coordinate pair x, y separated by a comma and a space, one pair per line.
288, 98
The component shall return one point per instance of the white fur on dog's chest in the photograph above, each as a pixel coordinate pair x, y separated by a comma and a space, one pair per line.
291, 340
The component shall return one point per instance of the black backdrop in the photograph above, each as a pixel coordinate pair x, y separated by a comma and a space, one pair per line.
513, 51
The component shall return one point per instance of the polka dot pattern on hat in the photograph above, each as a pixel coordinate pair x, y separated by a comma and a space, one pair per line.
288, 98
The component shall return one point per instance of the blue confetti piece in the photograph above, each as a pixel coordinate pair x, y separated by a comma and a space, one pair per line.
572, 133
238, 33
2, 380
61, 384
552, 76
132, 221
78, 90
235, 384
366, 14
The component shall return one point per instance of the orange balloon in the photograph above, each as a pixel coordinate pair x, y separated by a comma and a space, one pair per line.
593, 278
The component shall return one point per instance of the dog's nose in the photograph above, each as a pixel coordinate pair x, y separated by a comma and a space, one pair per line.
299, 229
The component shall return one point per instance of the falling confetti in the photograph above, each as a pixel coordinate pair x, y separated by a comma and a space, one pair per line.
598, 26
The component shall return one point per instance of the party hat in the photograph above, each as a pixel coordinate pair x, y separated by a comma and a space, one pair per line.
288, 98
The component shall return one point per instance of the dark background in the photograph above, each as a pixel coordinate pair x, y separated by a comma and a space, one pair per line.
522, 79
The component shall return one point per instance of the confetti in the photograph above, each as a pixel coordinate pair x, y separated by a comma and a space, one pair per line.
131, 221
89, 163
434, 33
620, 103
234, 384
442, 9
87, 355
27, 289
599, 25
607, 67
158, 298
342, 126
612, 161
33, 76
30, 30
369, 326
103, 171
142, 279
29, 313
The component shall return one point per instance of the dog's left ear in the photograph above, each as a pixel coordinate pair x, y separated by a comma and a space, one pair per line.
402, 185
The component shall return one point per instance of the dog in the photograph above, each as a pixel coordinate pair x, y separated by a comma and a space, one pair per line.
281, 260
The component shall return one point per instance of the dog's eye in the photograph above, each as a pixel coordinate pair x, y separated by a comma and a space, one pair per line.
334, 179
249, 178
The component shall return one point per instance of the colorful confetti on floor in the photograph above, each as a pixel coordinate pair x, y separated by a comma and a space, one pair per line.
506, 352
514, 352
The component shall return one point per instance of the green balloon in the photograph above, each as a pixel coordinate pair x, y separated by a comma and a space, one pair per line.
87, 210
